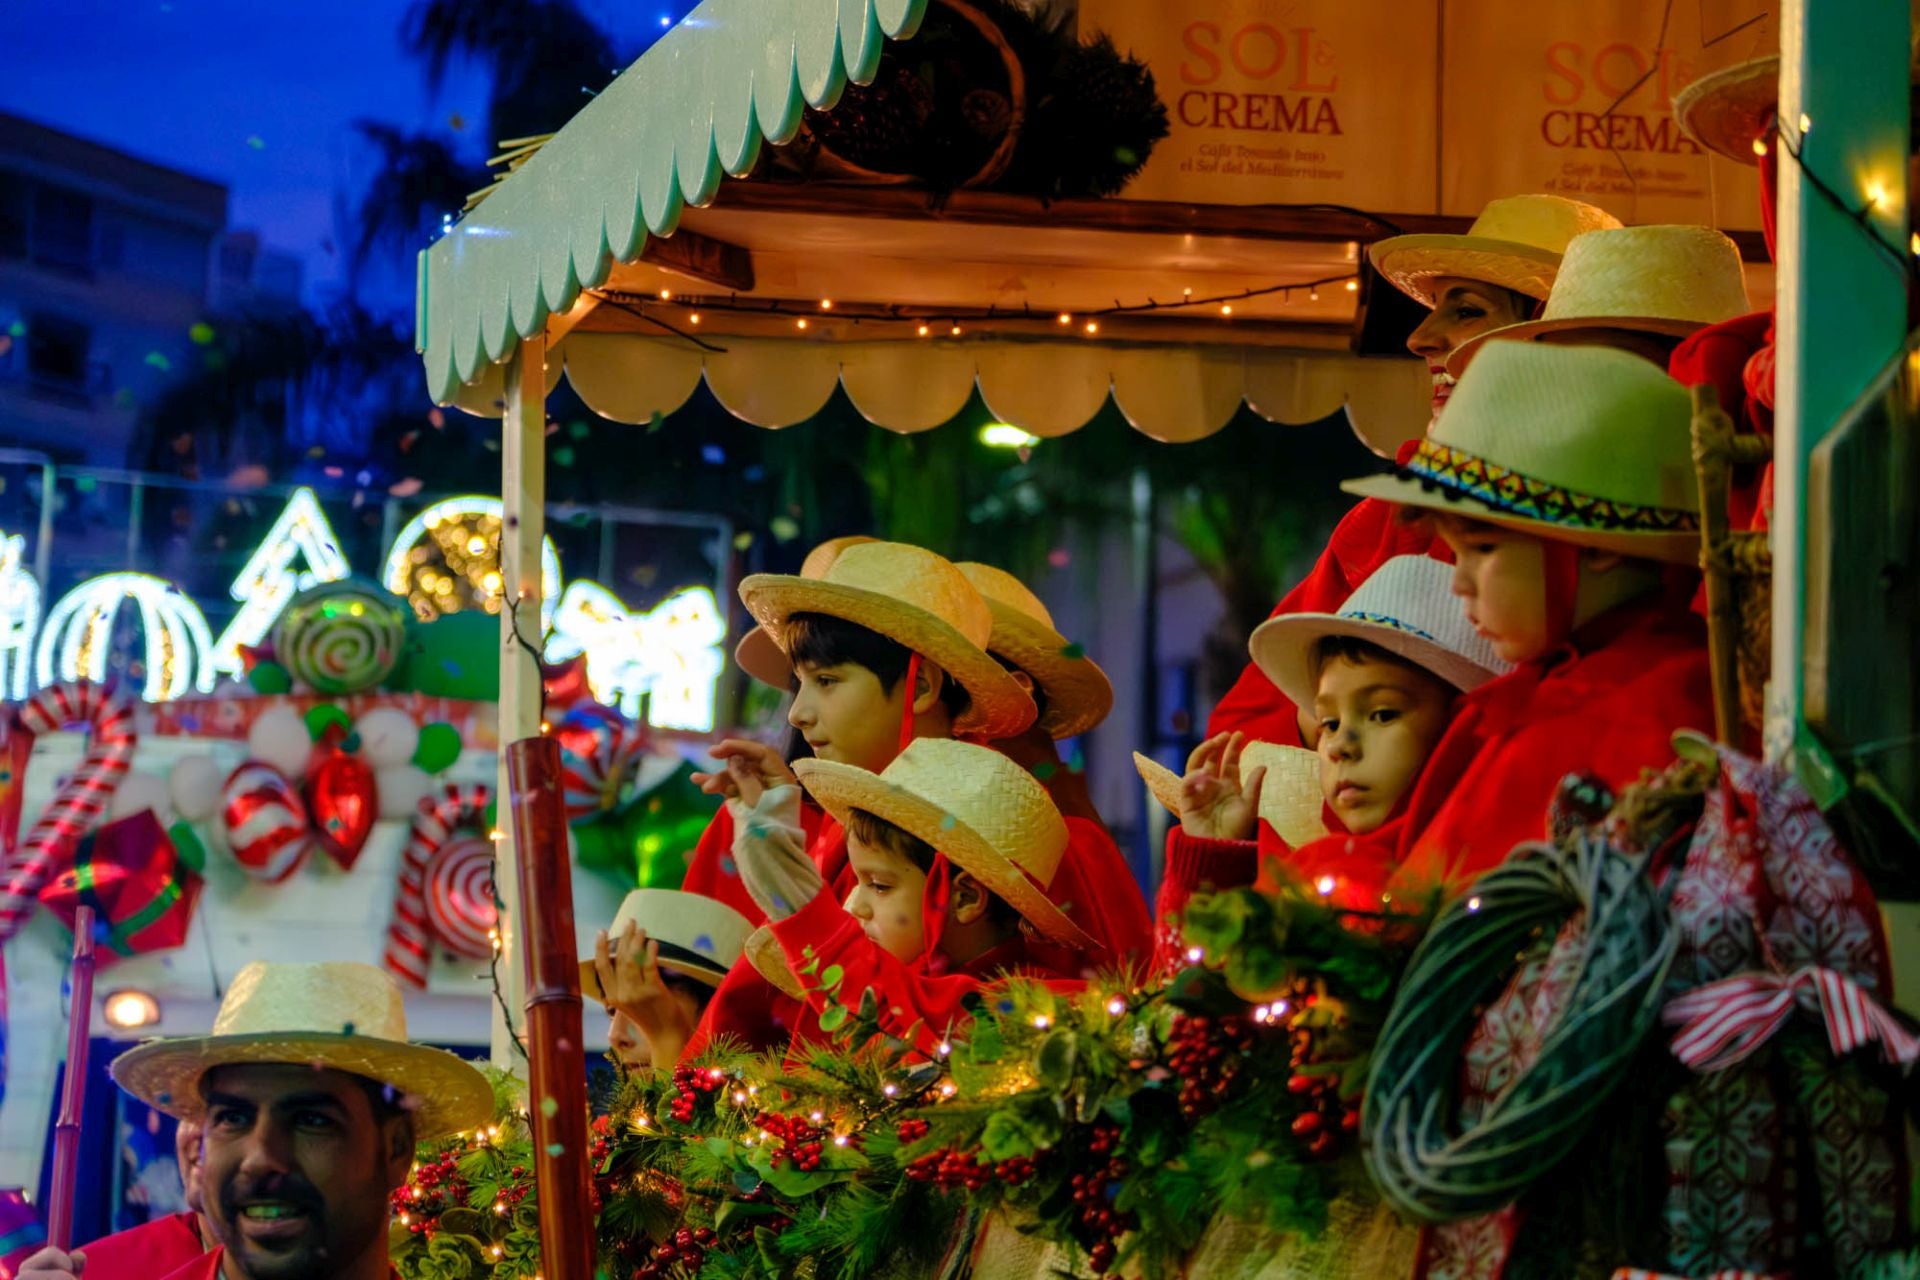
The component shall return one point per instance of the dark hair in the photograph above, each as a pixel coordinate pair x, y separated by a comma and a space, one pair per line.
872, 829
822, 640
1355, 650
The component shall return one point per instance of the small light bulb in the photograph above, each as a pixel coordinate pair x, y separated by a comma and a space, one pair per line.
1473, 904
890, 1090
826, 304
1313, 295
128, 1008
1324, 885
1093, 327
955, 331
694, 318
1806, 123
801, 323
1353, 286
943, 1048
1760, 146
1226, 308
1186, 293
1195, 955
1042, 1021
666, 295
924, 331
1116, 1006
839, 1139
1065, 317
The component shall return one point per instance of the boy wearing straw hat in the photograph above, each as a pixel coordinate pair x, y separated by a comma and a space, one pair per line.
312, 1101
1492, 276
656, 968
1561, 479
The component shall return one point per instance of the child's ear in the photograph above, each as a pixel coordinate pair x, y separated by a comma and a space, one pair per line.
927, 686
1022, 679
1597, 561
969, 900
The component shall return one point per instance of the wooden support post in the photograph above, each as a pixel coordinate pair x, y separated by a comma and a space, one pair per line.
73, 1093
1841, 309
523, 525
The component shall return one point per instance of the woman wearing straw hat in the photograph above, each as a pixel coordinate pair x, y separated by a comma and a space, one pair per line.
656, 968
1490, 277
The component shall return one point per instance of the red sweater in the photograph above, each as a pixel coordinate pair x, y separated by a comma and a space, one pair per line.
149, 1250
1366, 538
711, 873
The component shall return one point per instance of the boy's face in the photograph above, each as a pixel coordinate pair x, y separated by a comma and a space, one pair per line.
1500, 575
631, 1045
887, 899
846, 717
1379, 722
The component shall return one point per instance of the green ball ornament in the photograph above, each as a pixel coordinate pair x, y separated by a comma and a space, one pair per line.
439, 747
323, 717
269, 678
454, 656
342, 637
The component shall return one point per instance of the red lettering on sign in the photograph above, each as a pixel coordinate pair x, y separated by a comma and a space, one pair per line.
1244, 57
1310, 52
1562, 55
1191, 39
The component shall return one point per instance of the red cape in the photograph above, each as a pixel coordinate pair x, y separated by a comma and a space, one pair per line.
149, 1250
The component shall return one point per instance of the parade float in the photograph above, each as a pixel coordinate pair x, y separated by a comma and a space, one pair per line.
1290, 1102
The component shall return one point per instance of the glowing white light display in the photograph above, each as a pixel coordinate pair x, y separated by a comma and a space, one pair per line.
421, 533
269, 580
19, 617
78, 634
671, 654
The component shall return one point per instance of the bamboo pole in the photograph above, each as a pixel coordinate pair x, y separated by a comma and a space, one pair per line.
550, 965
73, 1092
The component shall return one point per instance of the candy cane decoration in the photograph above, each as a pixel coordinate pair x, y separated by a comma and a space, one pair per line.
81, 800
410, 936
460, 905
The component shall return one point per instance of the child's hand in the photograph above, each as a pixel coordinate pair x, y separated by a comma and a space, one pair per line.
630, 979
749, 769
1215, 801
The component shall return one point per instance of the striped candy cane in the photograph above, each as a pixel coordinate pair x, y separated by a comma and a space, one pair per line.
81, 801
410, 936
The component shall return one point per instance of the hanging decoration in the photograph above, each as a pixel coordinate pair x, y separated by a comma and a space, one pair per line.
343, 801
265, 822
268, 581
81, 801
19, 617
409, 952
459, 899
447, 559
77, 638
141, 889
341, 637
599, 751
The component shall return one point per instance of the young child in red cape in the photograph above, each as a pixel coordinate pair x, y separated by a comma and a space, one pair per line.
953, 848
1494, 275
154, 1248
1562, 480
1382, 676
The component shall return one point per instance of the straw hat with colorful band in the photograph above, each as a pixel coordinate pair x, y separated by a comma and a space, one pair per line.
758, 654
1515, 243
1406, 607
917, 598
347, 1017
1584, 445
989, 816
1671, 280
698, 936
1291, 801
769, 960
1728, 110
1079, 695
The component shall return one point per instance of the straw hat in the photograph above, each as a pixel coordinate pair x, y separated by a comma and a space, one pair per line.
758, 654
1727, 110
349, 1017
769, 960
917, 598
1670, 280
1290, 798
989, 816
1406, 607
1515, 243
699, 937
1079, 695
1580, 444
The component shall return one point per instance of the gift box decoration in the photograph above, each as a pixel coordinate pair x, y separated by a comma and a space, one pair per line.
141, 891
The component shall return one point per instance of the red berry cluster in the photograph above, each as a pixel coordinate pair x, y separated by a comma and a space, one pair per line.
1325, 1118
435, 1187
969, 1169
911, 1130
1096, 1223
682, 1255
1208, 1055
800, 1142
693, 1083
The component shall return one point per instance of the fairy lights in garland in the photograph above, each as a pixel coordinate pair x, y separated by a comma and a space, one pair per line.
1873, 198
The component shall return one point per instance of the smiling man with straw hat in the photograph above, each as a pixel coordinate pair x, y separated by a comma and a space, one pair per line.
312, 1101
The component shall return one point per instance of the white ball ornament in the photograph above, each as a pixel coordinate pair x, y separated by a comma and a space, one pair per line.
138, 791
194, 786
402, 787
280, 738
388, 737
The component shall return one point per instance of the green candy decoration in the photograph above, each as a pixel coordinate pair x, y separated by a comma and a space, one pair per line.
186, 843
439, 747
456, 655
323, 717
269, 678
342, 637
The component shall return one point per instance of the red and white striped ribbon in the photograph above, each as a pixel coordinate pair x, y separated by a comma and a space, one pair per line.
410, 936
81, 801
1724, 1022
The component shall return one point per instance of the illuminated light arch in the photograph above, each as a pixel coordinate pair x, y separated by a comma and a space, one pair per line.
74, 643
672, 654
431, 592
268, 580
19, 617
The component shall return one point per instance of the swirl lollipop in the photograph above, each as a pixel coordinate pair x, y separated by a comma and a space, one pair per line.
341, 637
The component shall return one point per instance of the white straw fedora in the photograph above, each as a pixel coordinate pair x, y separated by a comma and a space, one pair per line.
758, 654
1671, 280
348, 1017
1515, 243
1079, 695
1406, 607
1290, 798
769, 960
989, 816
699, 937
1580, 444
917, 598
1726, 111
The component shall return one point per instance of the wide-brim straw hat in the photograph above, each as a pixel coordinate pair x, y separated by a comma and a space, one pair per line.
1290, 797
1079, 695
1585, 445
758, 654
917, 598
1406, 607
769, 960
699, 937
1726, 111
1667, 280
989, 816
346, 1017
1515, 243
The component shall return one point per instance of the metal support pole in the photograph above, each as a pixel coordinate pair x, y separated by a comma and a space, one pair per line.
1841, 309
523, 496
